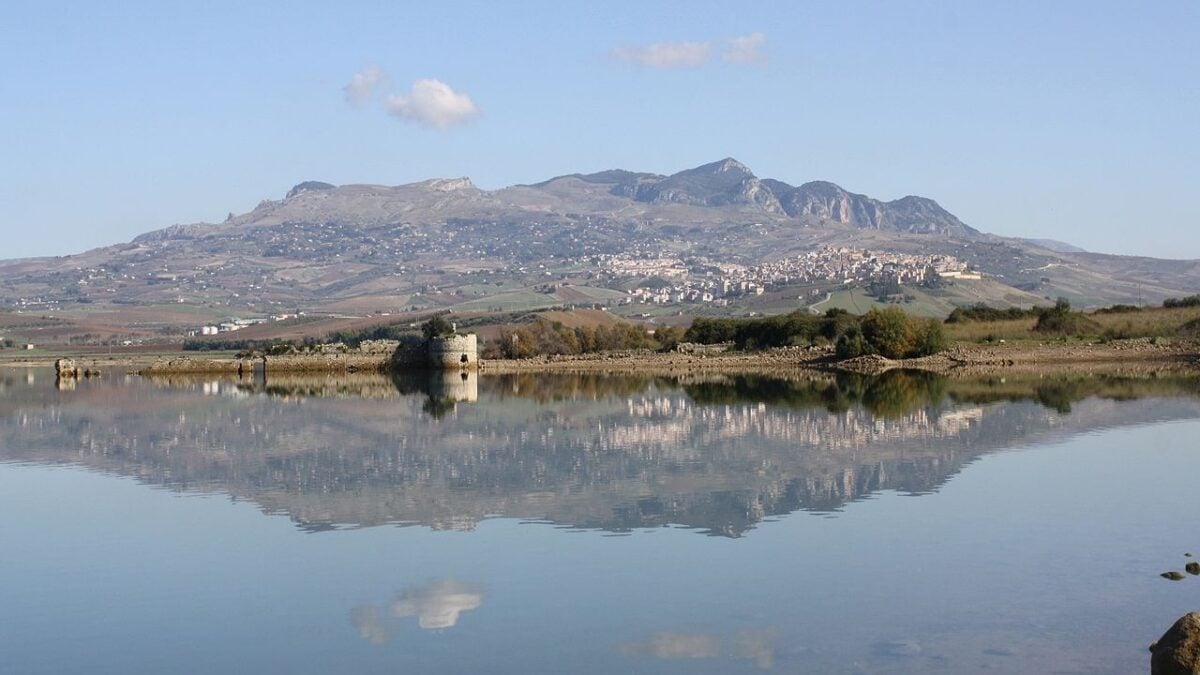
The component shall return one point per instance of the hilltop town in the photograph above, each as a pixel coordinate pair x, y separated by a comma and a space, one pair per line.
709, 281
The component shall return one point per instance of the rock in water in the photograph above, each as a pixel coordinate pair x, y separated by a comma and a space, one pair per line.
1177, 652
1192, 568
1173, 575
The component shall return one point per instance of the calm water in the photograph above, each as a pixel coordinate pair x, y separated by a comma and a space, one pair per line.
558, 524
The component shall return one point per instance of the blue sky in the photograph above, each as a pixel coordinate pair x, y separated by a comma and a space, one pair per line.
1072, 120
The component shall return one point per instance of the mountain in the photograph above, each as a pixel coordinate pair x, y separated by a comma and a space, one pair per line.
1055, 245
731, 183
446, 244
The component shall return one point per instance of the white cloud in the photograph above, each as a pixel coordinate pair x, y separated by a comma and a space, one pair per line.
666, 54
362, 86
746, 49
432, 103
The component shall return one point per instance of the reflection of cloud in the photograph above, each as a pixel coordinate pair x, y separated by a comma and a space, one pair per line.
755, 645
675, 646
437, 604
371, 627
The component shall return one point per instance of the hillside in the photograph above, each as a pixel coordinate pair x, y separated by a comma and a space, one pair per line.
571, 240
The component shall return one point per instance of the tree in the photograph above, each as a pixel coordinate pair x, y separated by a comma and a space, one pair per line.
930, 339
889, 332
851, 344
437, 327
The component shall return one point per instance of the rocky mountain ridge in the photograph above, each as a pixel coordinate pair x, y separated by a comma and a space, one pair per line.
444, 242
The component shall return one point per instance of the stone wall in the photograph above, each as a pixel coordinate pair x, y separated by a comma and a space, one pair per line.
456, 351
333, 362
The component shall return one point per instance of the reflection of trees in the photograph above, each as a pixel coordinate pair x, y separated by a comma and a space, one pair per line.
546, 387
718, 453
1060, 392
438, 407
892, 394
896, 393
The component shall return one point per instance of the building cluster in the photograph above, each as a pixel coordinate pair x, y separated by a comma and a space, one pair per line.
703, 280
234, 325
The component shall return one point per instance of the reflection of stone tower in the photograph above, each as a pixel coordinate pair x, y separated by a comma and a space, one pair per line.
455, 386
456, 351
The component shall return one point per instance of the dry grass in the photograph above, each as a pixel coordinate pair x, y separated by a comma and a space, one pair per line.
990, 331
1147, 323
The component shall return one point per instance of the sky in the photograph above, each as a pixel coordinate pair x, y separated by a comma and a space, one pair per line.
1078, 121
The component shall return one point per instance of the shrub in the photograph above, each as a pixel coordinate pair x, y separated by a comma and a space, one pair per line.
437, 327
981, 312
1060, 320
1189, 301
1119, 309
889, 333
931, 339
851, 343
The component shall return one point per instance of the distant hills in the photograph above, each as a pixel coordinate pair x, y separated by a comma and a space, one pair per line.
446, 244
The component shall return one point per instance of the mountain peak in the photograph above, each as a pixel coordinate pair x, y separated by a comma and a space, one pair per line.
450, 184
728, 165
309, 186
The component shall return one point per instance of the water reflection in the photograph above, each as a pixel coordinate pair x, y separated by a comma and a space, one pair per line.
719, 453
757, 646
436, 605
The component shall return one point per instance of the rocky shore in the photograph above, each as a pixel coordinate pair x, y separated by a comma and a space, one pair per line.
1123, 356
1132, 356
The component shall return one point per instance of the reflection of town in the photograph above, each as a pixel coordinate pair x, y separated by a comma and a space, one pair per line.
719, 453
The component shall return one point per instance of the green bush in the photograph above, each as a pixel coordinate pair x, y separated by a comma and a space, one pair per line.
889, 333
981, 312
1189, 301
851, 343
437, 327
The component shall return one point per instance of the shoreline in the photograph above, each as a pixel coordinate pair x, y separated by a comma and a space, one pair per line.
1138, 355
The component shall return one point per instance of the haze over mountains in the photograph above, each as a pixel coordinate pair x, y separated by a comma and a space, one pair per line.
444, 243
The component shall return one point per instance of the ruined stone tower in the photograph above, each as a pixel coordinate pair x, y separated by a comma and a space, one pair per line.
455, 351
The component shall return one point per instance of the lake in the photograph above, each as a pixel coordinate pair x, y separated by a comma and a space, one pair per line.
594, 524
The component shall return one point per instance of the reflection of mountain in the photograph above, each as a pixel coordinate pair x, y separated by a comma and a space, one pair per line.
718, 454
